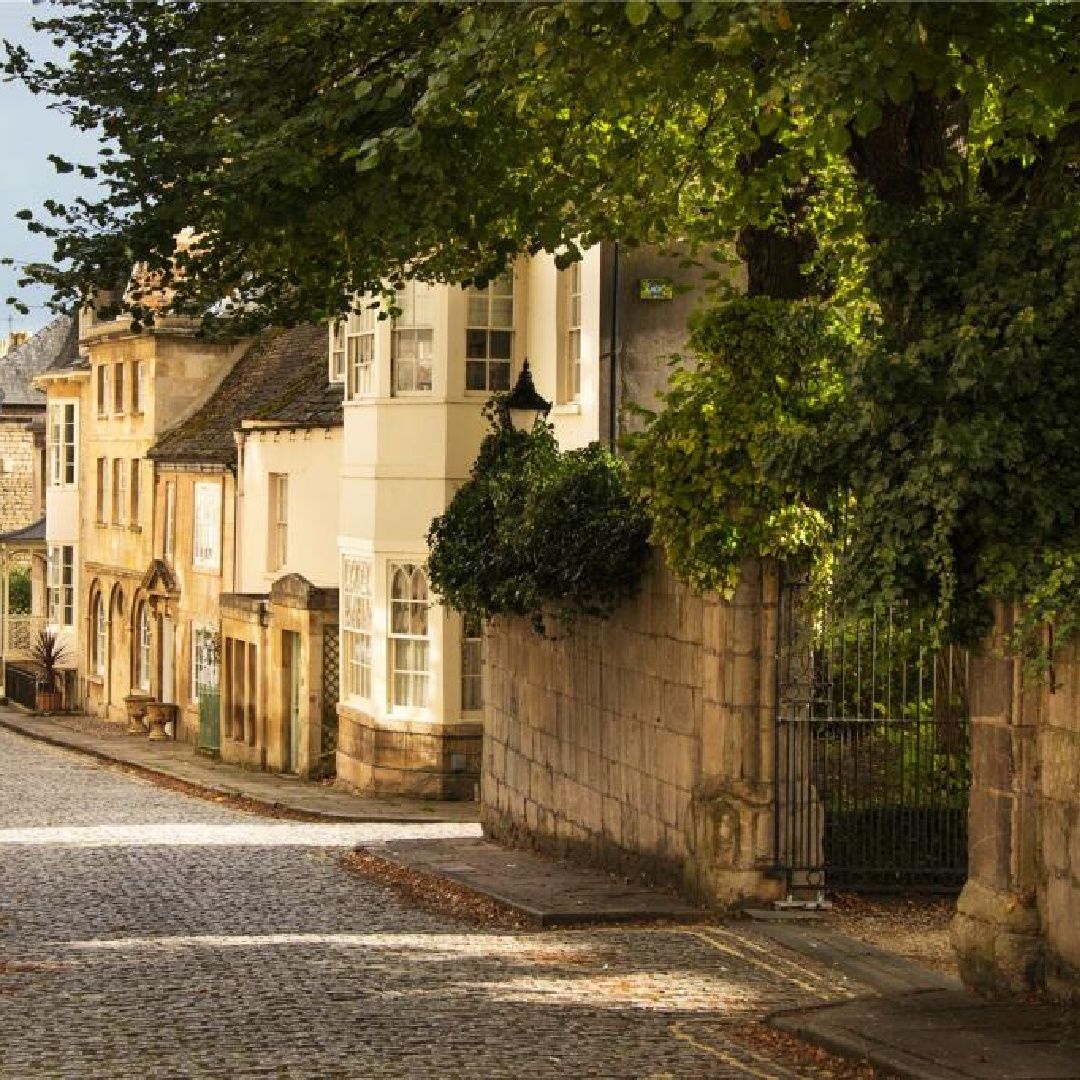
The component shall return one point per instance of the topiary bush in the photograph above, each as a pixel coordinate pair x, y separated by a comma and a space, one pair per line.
537, 531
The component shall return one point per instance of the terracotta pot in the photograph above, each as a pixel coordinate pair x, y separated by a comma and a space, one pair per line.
48, 700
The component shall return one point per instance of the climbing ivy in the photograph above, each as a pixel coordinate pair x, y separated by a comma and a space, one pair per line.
735, 465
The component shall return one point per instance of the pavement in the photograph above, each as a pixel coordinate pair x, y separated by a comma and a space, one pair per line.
852, 998
276, 792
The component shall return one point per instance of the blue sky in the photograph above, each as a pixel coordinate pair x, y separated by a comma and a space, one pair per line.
29, 131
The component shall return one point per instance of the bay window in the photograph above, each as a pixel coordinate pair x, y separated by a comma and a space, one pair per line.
489, 336
410, 645
356, 624
412, 341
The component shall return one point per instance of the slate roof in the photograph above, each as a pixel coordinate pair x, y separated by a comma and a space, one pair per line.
282, 377
50, 349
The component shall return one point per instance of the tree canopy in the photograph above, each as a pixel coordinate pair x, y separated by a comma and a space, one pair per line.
898, 179
319, 149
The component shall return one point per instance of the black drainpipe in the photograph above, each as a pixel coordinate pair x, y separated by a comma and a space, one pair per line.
612, 354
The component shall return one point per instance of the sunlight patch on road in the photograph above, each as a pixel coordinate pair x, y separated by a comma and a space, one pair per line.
244, 834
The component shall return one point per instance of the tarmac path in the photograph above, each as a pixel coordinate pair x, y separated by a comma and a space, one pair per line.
147, 934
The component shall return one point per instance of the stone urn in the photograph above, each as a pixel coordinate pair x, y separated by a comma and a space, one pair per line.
158, 714
136, 703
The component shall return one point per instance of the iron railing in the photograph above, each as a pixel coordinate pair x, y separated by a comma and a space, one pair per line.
871, 760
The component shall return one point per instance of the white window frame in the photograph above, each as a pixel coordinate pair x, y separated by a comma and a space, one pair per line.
413, 331
63, 440
61, 585
573, 332
357, 621
337, 350
143, 647
409, 639
168, 531
136, 492
206, 526
103, 505
472, 666
205, 658
484, 326
119, 388
138, 386
100, 643
278, 538
119, 490
103, 389
360, 332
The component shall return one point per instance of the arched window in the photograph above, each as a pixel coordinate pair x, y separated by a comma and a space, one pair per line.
142, 648
410, 674
97, 614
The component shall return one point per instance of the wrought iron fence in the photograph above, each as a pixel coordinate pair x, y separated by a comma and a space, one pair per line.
872, 761
21, 685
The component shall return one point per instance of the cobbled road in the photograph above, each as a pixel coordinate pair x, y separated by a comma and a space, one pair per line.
147, 934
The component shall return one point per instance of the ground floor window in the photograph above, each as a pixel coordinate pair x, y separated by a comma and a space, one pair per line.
356, 611
97, 617
410, 646
472, 666
205, 659
142, 648
61, 593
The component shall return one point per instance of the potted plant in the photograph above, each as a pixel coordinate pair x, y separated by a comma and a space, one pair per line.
48, 654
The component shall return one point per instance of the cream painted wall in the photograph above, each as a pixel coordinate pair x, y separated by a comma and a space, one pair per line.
64, 503
312, 461
403, 457
576, 423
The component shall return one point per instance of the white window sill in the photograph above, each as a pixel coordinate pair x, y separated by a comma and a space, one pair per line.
571, 408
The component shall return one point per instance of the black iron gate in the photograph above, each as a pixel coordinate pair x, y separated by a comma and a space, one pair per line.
872, 760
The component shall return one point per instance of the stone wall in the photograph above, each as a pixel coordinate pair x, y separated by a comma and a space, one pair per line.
20, 502
1018, 924
643, 742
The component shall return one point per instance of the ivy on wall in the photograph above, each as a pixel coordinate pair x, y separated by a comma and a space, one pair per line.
735, 465
920, 444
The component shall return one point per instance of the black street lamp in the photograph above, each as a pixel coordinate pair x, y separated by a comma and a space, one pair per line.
524, 404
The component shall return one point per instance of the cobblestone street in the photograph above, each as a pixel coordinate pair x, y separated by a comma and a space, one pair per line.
144, 933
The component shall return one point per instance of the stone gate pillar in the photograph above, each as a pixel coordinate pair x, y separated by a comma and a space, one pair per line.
732, 812
996, 932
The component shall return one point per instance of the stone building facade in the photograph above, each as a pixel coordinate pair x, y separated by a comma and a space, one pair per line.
272, 423
644, 742
22, 421
1017, 929
415, 388
141, 384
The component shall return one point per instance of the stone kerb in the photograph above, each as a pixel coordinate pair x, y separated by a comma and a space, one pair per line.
642, 741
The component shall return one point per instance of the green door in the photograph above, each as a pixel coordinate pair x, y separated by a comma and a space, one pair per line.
207, 689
